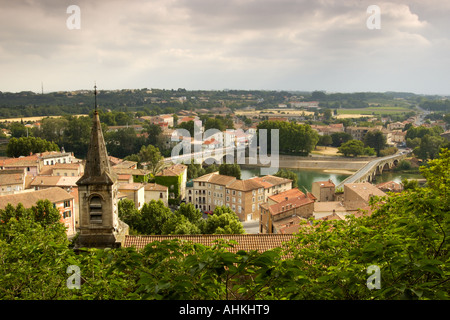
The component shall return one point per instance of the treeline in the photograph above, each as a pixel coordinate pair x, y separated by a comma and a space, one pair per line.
73, 134
436, 105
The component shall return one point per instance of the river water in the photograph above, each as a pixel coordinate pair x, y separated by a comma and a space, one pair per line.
307, 177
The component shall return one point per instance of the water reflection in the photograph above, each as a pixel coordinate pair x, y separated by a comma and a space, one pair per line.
307, 177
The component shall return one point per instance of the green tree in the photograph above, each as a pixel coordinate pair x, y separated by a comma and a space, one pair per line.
24, 146
352, 148
325, 140
288, 174
376, 140
233, 170
339, 138
153, 159
18, 130
223, 221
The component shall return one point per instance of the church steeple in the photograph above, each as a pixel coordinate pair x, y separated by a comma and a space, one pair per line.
99, 222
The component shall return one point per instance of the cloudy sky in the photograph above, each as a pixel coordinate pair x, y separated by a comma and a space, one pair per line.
226, 44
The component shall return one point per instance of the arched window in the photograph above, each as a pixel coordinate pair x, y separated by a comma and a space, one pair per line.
95, 209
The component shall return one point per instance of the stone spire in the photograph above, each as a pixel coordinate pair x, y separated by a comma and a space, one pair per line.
97, 169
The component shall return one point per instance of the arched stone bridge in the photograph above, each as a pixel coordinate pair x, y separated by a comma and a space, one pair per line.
375, 167
218, 155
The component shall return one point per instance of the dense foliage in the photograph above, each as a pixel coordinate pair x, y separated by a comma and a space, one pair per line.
155, 218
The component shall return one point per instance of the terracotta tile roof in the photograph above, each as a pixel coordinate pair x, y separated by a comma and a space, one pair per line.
365, 190
245, 185
329, 206
174, 170
129, 186
11, 178
28, 161
221, 179
126, 164
291, 193
134, 172
247, 242
205, 177
29, 199
67, 181
45, 181
327, 183
215, 178
390, 186
269, 180
289, 204
288, 225
155, 187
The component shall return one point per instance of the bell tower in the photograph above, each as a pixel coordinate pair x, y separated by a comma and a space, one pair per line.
99, 225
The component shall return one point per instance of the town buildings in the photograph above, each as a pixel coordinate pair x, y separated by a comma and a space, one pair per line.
243, 196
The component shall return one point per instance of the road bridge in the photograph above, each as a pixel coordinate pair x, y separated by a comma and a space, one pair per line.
375, 167
217, 155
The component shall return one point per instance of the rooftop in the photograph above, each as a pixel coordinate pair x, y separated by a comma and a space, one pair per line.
247, 242
29, 199
155, 187
291, 193
270, 181
365, 190
174, 170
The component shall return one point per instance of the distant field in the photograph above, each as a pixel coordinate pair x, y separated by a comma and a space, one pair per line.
34, 119
374, 111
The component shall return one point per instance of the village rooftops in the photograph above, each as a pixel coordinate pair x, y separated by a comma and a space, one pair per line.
29, 199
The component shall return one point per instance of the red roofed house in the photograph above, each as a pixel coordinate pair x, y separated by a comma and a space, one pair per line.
285, 211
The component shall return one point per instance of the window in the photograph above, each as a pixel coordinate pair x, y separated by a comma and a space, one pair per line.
239, 209
234, 199
239, 193
95, 209
161, 195
67, 214
66, 204
253, 207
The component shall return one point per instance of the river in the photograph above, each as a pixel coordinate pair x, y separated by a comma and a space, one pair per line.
306, 177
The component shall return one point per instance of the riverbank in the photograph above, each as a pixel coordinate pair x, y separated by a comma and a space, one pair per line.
335, 164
